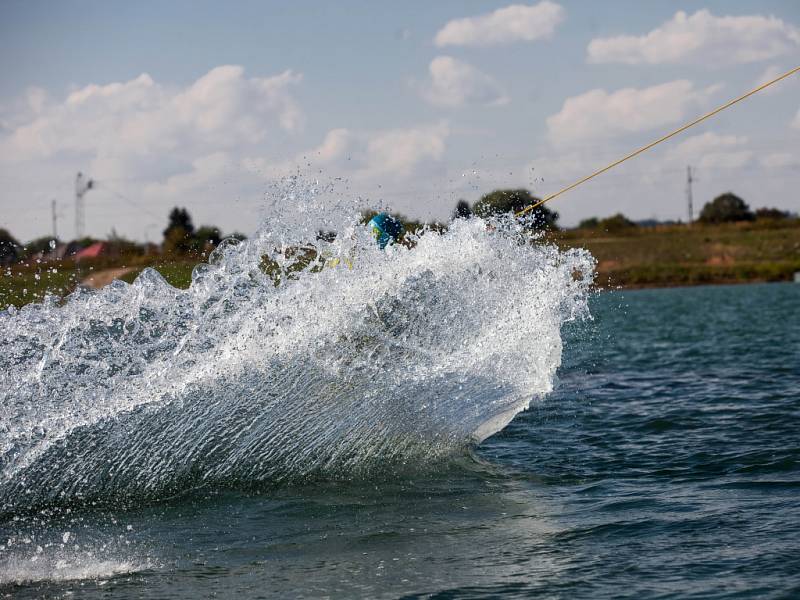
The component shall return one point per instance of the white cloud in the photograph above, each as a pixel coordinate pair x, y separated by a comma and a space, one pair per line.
364, 156
397, 152
36, 98
701, 38
154, 143
334, 146
770, 73
127, 123
598, 114
515, 23
780, 160
712, 151
205, 171
456, 83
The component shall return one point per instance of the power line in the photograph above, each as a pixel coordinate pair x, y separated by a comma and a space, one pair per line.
126, 199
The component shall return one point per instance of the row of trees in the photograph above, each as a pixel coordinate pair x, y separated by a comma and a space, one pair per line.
730, 208
180, 237
725, 208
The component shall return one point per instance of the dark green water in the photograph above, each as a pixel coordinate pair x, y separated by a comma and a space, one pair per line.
666, 465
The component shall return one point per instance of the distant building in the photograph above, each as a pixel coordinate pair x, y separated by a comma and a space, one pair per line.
95, 250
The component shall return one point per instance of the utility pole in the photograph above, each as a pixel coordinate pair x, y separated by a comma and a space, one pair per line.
689, 180
82, 185
55, 218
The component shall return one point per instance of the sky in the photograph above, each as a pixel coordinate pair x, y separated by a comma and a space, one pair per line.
409, 106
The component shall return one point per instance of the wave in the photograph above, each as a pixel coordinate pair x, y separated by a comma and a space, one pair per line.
411, 355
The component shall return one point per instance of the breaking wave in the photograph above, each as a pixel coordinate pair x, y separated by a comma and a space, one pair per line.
260, 374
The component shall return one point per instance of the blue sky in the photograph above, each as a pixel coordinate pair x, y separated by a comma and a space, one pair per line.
415, 105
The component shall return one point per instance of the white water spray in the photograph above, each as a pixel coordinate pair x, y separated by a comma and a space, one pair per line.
411, 355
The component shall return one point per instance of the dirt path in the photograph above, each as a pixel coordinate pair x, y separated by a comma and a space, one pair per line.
102, 278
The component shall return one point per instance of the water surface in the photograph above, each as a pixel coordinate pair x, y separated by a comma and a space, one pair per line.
665, 464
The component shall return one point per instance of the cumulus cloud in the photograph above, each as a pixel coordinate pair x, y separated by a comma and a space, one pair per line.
335, 146
122, 123
205, 170
515, 23
701, 38
371, 156
779, 160
598, 114
398, 151
456, 83
770, 73
712, 151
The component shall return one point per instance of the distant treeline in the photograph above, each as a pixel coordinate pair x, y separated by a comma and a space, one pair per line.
182, 239
725, 208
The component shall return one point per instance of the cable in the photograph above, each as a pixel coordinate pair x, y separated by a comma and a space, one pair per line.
527, 209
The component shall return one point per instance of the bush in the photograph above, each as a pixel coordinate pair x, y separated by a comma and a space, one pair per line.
178, 236
616, 223
9, 248
726, 208
463, 210
772, 214
501, 202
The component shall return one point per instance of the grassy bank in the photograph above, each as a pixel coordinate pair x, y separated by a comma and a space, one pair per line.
691, 255
25, 283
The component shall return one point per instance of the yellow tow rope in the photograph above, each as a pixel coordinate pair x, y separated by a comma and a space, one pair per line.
527, 209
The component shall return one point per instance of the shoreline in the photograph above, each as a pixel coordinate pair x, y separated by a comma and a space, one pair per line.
674, 256
669, 286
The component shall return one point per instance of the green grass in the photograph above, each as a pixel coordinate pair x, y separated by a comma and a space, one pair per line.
682, 255
26, 283
23, 284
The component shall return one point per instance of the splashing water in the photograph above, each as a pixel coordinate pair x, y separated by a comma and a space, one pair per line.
411, 355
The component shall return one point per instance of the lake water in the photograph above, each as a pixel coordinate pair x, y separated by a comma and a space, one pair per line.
666, 463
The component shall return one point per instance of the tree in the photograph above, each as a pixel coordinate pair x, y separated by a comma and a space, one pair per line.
179, 232
463, 210
41, 245
772, 214
208, 235
9, 248
616, 223
179, 218
726, 208
590, 223
501, 202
